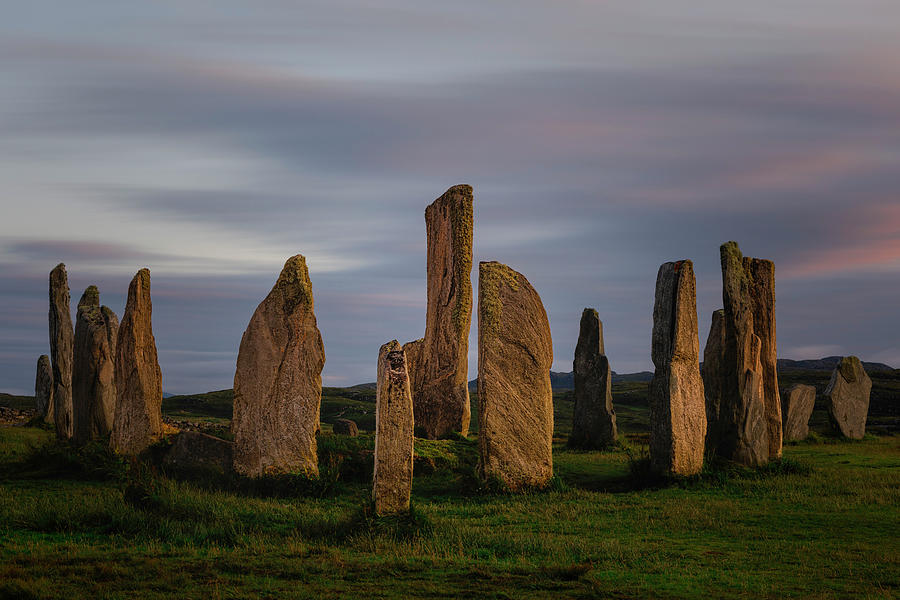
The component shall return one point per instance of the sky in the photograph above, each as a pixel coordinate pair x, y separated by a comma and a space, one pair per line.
210, 141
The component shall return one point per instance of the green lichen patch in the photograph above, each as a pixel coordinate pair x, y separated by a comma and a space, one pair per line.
461, 224
491, 276
294, 285
90, 298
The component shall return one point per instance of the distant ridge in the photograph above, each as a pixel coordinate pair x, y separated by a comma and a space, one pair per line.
825, 364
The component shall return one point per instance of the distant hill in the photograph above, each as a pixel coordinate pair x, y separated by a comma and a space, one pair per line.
825, 364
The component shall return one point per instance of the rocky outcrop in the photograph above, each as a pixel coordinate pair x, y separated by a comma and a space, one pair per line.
138, 415
677, 403
515, 352
43, 388
94, 368
192, 450
797, 407
345, 427
278, 381
847, 398
594, 419
711, 371
392, 482
62, 338
440, 373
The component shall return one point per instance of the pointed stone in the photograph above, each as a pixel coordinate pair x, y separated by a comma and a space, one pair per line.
711, 371
677, 403
61, 344
440, 390
847, 397
413, 351
278, 381
594, 419
43, 388
515, 352
797, 407
94, 368
138, 414
392, 484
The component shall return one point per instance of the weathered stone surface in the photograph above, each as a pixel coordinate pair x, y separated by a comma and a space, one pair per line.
345, 427
761, 287
94, 368
440, 376
413, 351
138, 416
278, 380
677, 403
847, 397
195, 450
797, 407
594, 419
62, 338
515, 351
711, 371
43, 388
393, 433
743, 422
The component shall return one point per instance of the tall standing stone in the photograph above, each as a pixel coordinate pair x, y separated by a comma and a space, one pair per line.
761, 278
138, 415
594, 419
413, 351
43, 388
847, 397
61, 343
711, 371
392, 482
440, 390
677, 403
278, 380
515, 401
797, 407
94, 368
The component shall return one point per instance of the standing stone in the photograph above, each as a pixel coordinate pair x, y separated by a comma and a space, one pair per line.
345, 427
440, 380
796, 409
413, 351
847, 396
138, 415
677, 403
61, 344
278, 381
393, 433
515, 400
761, 279
94, 368
711, 371
43, 388
594, 420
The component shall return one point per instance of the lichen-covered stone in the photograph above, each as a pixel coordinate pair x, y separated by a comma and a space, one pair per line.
677, 403
440, 371
138, 415
797, 407
94, 368
193, 450
43, 388
392, 483
847, 397
515, 351
62, 338
594, 419
278, 380
345, 427
711, 371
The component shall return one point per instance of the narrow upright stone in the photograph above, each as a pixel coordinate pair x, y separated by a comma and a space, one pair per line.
392, 483
761, 278
138, 415
94, 368
440, 390
278, 381
796, 409
413, 351
594, 419
43, 388
61, 343
847, 397
677, 404
515, 351
711, 371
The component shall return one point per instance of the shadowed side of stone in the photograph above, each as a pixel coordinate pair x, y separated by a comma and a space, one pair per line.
278, 380
797, 407
195, 450
594, 418
62, 338
94, 368
515, 351
717, 425
392, 483
138, 414
43, 388
847, 397
677, 402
